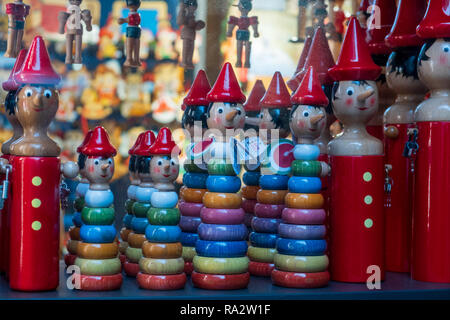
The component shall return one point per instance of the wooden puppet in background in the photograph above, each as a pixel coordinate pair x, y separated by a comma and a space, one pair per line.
133, 42
74, 32
17, 11
243, 34
186, 19
301, 22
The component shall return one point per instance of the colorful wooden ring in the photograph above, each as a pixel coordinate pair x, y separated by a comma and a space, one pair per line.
124, 233
299, 231
164, 199
99, 198
274, 182
306, 152
300, 280
218, 167
271, 196
295, 247
188, 267
98, 216
250, 192
133, 254
190, 209
301, 168
188, 253
300, 263
248, 219
225, 184
189, 224
140, 209
303, 216
161, 282
97, 250
251, 178
131, 191
266, 225
163, 233
129, 205
221, 249
263, 240
189, 239
191, 167
135, 240
69, 259
144, 194
72, 246
162, 250
192, 195
127, 220
220, 265
249, 205
195, 180
161, 266
304, 200
222, 232
78, 204
163, 217
139, 224
222, 200
263, 210
76, 219
261, 254
97, 234
123, 245
131, 268
220, 281
260, 269
99, 267
101, 283
74, 233
222, 216
305, 184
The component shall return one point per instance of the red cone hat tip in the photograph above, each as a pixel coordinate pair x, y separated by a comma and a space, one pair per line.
295, 81
436, 23
226, 88
85, 141
386, 9
142, 149
11, 84
136, 143
99, 145
164, 144
277, 94
310, 91
199, 89
253, 101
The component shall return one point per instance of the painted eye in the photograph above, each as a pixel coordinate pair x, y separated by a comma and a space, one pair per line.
110, 161
305, 113
96, 162
160, 162
350, 91
48, 94
446, 49
28, 92
172, 162
220, 110
239, 112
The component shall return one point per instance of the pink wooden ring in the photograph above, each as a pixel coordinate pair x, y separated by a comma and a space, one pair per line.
263, 210
249, 205
260, 269
303, 216
190, 209
222, 216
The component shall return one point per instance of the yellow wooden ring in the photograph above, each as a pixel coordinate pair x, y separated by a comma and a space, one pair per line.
192, 195
271, 196
189, 253
124, 233
220, 200
102, 267
161, 266
300, 263
97, 250
162, 250
304, 200
133, 254
72, 246
123, 245
221, 265
74, 233
261, 254
135, 240
250, 192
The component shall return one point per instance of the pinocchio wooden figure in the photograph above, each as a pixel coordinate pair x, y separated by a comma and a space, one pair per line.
17, 12
133, 35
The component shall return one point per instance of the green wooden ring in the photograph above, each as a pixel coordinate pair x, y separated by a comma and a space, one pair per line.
140, 209
133, 254
78, 204
261, 254
300, 263
161, 266
100, 267
129, 205
163, 216
189, 253
190, 167
306, 168
98, 216
219, 167
221, 265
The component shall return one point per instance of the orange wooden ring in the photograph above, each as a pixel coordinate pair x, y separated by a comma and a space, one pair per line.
192, 195
304, 200
249, 192
74, 233
123, 245
135, 240
124, 233
220, 200
72, 246
97, 250
162, 250
271, 196
100, 283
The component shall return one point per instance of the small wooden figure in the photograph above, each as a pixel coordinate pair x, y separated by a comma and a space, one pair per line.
243, 34
133, 41
186, 19
71, 20
252, 106
17, 12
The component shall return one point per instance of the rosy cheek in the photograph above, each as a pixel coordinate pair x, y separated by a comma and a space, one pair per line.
91, 168
111, 169
372, 102
157, 170
217, 120
349, 102
241, 122
174, 170
443, 59
301, 124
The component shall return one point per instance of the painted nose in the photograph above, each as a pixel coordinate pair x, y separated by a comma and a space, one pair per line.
231, 115
167, 167
252, 121
37, 99
363, 96
105, 166
315, 120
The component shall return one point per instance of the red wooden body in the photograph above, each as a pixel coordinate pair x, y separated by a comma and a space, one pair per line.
357, 221
376, 131
35, 208
5, 221
431, 218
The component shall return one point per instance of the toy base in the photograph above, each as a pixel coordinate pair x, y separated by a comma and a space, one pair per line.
100, 283
123, 259
188, 267
69, 259
161, 282
300, 280
131, 269
260, 269
220, 281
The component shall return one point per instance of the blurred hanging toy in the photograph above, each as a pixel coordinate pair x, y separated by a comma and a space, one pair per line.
133, 34
186, 19
72, 20
243, 34
17, 11
301, 22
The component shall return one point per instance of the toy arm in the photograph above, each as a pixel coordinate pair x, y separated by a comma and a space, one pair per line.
87, 18
123, 20
254, 23
199, 25
181, 15
62, 19
232, 22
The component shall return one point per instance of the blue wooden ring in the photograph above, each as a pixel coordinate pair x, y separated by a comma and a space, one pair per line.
99, 198
189, 224
263, 240
97, 234
164, 199
222, 232
189, 239
225, 184
274, 182
76, 219
306, 152
251, 178
127, 220
299, 231
265, 225
305, 185
195, 180
163, 233
294, 247
221, 249
139, 224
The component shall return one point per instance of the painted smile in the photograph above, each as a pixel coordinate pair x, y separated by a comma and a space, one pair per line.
103, 175
166, 175
38, 109
312, 129
362, 108
228, 127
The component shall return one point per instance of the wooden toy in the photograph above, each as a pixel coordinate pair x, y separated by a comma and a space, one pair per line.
252, 107
356, 159
17, 12
243, 34
162, 265
143, 195
431, 224
402, 77
293, 82
133, 41
301, 22
189, 27
300, 259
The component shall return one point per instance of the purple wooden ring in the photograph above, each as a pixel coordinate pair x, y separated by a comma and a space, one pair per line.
222, 232
303, 216
222, 216
265, 225
263, 210
302, 232
189, 224
248, 205
248, 219
190, 209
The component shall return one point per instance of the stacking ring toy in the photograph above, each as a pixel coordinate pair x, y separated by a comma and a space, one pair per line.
306, 151
263, 210
72, 246
301, 263
74, 233
222, 232
78, 204
188, 253
192, 195
265, 225
305, 185
99, 198
127, 221
133, 254
295, 247
124, 233
304, 232
97, 234
226, 184
76, 219
163, 233
302, 168
261, 254
260, 269
189, 208
164, 199
263, 240
218, 167
164, 217
248, 205
300, 280
97, 250
304, 200
189, 239
189, 224
274, 182
136, 240
140, 209
303, 216
100, 283
250, 192
220, 281
222, 216
131, 268
192, 167
220, 265
99, 267
161, 266
221, 249
251, 178
195, 180
139, 224
161, 282
162, 250
222, 200
271, 196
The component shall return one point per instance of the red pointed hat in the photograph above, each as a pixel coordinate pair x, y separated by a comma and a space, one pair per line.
144, 144
354, 62
253, 101
310, 91
11, 84
85, 141
295, 80
199, 89
37, 68
99, 145
436, 23
226, 88
164, 144
403, 32
375, 36
136, 143
277, 94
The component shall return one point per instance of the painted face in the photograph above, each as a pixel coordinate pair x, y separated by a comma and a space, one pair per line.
435, 71
99, 170
223, 116
401, 74
307, 122
164, 169
266, 120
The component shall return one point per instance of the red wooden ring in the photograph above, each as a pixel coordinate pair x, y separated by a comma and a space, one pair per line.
161, 282
69, 259
303, 216
260, 269
300, 280
131, 269
101, 283
190, 209
188, 267
263, 210
222, 216
122, 258
220, 281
